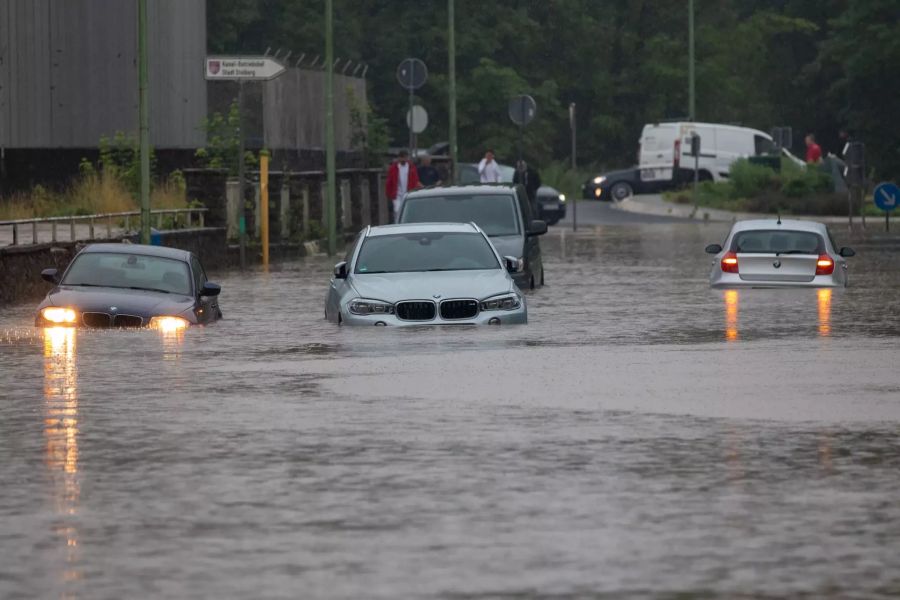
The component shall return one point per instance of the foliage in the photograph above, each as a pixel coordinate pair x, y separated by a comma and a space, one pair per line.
747, 179
120, 159
369, 132
223, 142
561, 176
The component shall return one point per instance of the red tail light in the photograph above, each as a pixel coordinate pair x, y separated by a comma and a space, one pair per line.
730, 263
825, 265
677, 152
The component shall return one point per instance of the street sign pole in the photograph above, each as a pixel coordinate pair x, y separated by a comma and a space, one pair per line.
329, 127
451, 69
242, 201
412, 122
886, 196
144, 121
574, 166
692, 115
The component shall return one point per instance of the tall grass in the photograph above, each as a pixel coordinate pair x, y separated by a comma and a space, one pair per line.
91, 193
568, 181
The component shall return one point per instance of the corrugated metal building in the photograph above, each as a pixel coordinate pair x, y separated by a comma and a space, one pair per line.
68, 72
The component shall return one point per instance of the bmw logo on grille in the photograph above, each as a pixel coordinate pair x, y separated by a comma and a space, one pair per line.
436, 296
777, 264
113, 308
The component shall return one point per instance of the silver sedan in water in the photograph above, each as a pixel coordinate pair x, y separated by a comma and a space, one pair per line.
776, 253
425, 274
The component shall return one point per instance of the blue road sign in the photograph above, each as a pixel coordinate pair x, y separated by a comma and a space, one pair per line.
886, 196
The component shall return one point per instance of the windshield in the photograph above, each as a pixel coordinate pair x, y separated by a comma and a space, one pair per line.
426, 252
494, 213
777, 242
109, 269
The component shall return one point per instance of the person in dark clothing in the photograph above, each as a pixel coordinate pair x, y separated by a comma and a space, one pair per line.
529, 178
428, 175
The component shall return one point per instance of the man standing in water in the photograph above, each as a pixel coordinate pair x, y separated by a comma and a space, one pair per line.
488, 170
402, 178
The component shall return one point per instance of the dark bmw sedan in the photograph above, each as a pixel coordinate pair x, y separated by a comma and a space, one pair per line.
130, 285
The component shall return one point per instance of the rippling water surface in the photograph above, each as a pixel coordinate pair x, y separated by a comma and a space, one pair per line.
643, 436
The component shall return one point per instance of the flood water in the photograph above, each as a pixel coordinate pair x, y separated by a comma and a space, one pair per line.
642, 436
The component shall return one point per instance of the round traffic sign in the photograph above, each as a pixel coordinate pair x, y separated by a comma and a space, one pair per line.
417, 119
522, 110
412, 73
886, 196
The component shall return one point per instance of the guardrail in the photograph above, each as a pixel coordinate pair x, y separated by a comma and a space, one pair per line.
92, 221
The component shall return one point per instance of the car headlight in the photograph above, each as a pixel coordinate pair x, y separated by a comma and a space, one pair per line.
562, 197
55, 314
502, 302
364, 306
168, 324
599, 179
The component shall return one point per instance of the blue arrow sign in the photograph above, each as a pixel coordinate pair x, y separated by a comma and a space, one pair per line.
887, 195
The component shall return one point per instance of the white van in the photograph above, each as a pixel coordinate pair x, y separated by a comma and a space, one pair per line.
664, 154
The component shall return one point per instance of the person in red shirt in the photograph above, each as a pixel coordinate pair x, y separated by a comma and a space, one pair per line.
813, 150
402, 178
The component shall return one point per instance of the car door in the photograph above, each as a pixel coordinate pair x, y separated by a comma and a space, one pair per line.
207, 307
532, 245
339, 287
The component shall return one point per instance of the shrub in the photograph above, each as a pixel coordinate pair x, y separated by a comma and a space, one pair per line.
749, 180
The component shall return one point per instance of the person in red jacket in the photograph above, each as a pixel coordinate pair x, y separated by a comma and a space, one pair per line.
813, 150
402, 178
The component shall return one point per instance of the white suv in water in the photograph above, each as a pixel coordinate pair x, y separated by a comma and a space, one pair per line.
776, 253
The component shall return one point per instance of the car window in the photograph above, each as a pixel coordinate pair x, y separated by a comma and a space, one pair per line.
495, 213
351, 248
112, 269
468, 174
778, 241
199, 274
764, 145
403, 253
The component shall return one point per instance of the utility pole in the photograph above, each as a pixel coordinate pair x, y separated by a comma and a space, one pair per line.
451, 112
574, 165
242, 200
329, 127
143, 122
692, 107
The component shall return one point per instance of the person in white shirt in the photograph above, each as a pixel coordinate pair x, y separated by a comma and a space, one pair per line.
488, 169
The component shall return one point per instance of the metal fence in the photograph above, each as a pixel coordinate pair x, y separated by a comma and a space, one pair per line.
78, 225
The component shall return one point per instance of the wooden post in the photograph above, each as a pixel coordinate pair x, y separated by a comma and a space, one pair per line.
365, 202
383, 215
304, 199
284, 209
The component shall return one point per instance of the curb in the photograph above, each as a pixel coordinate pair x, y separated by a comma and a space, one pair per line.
708, 215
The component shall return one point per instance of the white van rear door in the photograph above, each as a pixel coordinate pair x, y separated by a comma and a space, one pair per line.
657, 155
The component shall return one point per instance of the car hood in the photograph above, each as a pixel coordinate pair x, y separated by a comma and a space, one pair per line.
509, 245
131, 302
620, 174
393, 287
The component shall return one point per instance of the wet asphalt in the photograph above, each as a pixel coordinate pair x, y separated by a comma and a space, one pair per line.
643, 436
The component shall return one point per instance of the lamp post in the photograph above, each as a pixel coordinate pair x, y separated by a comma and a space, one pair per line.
451, 74
143, 122
329, 127
692, 108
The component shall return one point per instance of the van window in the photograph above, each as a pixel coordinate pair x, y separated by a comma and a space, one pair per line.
764, 145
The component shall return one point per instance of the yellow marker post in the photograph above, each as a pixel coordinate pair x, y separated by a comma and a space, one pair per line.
264, 204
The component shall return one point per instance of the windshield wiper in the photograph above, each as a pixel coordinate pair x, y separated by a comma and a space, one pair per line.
146, 289
795, 252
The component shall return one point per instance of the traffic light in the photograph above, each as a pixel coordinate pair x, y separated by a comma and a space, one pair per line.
695, 145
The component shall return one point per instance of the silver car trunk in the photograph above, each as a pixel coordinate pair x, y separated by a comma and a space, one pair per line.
777, 267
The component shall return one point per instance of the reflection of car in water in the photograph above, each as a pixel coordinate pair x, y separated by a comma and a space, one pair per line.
770, 253
550, 204
129, 285
424, 274
502, 211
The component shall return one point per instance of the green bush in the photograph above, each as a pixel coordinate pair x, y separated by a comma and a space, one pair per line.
749, 180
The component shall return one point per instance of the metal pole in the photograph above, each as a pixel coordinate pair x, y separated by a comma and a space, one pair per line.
574, 166
242, 204
144, 121
451, 49
411, 119
692, 112
264, 205
329, 127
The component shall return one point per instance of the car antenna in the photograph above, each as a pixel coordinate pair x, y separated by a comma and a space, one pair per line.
779, 218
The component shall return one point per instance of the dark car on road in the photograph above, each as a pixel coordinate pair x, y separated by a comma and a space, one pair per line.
129, 285
615, 186
502, 211
551, 205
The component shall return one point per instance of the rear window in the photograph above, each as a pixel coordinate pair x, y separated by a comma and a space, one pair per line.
494, 213
777, 241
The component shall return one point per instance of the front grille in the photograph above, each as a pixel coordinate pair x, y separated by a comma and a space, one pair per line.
127, 321
415, 311
458, 309
96, 319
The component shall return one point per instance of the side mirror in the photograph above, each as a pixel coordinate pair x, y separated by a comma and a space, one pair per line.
210, 289
512, 264
340, 270
847, 252
537, 228
713, 249
50, 275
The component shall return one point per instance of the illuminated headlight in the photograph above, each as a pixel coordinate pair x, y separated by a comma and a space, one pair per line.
562, 197
504, 302
598, 192
598, 180
362, 306
168, 324
55, 314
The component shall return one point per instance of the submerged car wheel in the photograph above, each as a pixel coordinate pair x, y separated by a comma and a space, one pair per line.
621, 191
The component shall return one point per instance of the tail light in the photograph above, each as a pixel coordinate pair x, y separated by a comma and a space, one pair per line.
677, 152
730, 263
825, 265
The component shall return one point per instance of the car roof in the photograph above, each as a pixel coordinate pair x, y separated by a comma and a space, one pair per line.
499, 189
401, 228
786, 224
140, 249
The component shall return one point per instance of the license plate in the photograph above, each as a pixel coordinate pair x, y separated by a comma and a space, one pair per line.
551, 206
655, 174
